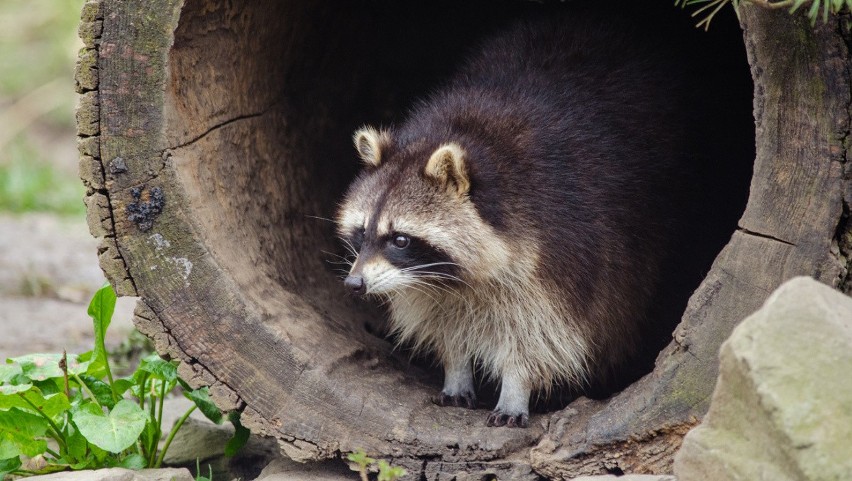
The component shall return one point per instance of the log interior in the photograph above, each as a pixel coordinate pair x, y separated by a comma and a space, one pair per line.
260, 101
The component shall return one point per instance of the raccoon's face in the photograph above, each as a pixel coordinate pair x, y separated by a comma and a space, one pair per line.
409, 221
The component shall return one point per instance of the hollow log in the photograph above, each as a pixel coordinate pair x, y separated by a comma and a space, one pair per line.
205, 137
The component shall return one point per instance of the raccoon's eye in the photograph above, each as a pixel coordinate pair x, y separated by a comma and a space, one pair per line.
401, 241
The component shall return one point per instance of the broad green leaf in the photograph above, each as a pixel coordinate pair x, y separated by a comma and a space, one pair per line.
120, 386
77, 446
113, 432
50, 386
240, 437
150, 435
39, 367
100, 310
9, 465
134, 461
101, 390
11, 389
43, 366
201, 398
159, 367
8, 371
19, 431
34, 402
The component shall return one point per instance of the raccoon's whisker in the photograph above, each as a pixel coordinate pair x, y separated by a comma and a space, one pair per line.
420, 287
320, 218
423, 266
334, 255
442, 276
342, 262
348, 245
339, 263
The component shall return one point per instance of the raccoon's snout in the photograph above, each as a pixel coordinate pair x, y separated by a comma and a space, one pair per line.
356, 283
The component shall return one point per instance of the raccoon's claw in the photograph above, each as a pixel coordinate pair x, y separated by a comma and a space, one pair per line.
463, 400
499, 418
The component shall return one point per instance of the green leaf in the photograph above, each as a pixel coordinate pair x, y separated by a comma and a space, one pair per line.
388, 472
10, 389
240, 437
360, 458
19, 431
44, 366
113, 432
201, 398
35, 402
120, 386
134, 461
50, 386
159, 367
9, 465
39, 367
77, 446
101, 390
9, 371
100, 310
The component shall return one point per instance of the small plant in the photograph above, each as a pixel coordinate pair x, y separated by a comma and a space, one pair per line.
198, 476
367, 464
816, 8
60, 412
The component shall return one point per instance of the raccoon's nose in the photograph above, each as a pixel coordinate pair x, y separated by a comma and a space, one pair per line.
356, 283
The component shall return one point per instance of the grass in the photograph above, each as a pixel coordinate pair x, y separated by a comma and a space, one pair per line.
31, 184
38, 48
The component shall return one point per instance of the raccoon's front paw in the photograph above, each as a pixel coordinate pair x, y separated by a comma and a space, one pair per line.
498, 417
461, 400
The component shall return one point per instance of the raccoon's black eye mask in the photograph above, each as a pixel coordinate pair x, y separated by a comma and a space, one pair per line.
356, 238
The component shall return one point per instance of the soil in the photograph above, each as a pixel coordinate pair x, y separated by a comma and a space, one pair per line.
48, 272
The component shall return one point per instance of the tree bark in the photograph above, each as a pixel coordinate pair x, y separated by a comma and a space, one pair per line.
205, 143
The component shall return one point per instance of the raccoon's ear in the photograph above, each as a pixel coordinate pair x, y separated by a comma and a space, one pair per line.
447, 166
369, 143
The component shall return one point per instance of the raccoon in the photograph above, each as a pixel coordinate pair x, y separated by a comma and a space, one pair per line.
521, 216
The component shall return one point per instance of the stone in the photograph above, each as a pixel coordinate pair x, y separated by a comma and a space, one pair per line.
627, 477
782, 407
283, 469
201, 440
119, 474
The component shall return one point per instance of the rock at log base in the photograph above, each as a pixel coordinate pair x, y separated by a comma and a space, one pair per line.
782, 407
201, 130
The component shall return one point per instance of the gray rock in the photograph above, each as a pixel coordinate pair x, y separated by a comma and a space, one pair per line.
200, 440
626, 477
119, 474
782, 408
283, 469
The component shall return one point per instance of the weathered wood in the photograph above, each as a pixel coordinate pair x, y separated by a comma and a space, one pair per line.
209, 137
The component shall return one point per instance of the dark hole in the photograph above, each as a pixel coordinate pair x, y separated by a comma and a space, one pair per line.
319, 70
615, 471
406, 69
415, 46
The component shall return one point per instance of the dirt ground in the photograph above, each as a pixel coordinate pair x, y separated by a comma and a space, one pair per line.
48, 272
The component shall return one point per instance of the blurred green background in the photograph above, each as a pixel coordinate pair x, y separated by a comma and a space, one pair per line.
38, 157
